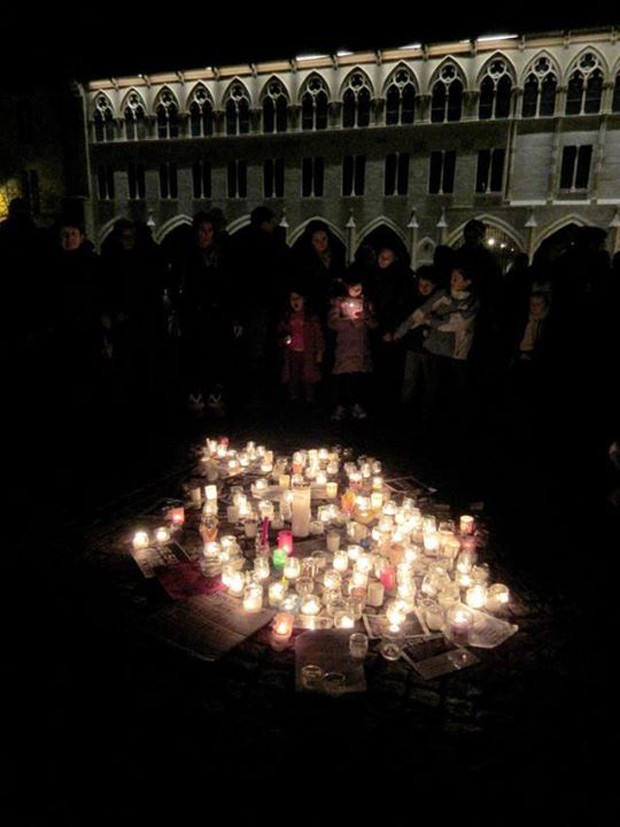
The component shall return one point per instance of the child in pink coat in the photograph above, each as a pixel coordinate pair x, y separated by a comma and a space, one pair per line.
301, 339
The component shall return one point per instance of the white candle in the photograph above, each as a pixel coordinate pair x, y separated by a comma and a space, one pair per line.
301, 511
375, 594
341, 560
466, 524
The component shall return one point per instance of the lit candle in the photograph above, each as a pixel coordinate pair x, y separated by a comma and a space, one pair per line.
344, 619
284, 481
211, 492
466, 524
321, 478
331, 490
276, 592
236, 583
476, 596
310, 604
282, 630
395, 614
253, 597
459, 622
261, 568
497, 598
332, 579
140, 540
376, 500
162, 535
292, 568
341, 560
177, 516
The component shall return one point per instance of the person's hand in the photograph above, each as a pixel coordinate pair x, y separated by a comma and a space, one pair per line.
388, 337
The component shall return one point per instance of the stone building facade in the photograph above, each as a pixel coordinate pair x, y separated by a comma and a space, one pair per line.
522, 132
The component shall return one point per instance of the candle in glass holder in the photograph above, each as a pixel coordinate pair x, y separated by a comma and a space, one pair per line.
463, 579
284, 481
140, 540
236, 583
331, 490
253, 597
304, 585
320, 559
433, 614
359, 578
321, 478
276, 592
480, 573
476, 596
317, 527
375, 594
250, 527
332, 579
341, 560
459, 621
466, 524
376, 500
343, 619
282, 630
261, 568
177, 516
310, 604
497, 597
162, 535
292, 568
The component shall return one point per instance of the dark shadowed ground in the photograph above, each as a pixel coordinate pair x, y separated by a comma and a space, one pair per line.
104, 727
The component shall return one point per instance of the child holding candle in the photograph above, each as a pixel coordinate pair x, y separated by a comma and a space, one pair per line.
352, 317
301, 339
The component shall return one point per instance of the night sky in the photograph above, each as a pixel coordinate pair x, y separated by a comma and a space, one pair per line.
117, 39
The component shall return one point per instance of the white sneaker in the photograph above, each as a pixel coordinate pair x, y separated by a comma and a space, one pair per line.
357, 412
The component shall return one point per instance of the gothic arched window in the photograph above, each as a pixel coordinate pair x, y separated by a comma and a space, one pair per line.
135, 121
615, 101
447, 97
356, 101
104, 120
237, 110
314, 104
400, 99
495, 91
539, 90
585, 86
275, 108
167, 112
200, 113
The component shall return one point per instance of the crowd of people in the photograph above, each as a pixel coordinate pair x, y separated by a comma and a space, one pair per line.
225, 321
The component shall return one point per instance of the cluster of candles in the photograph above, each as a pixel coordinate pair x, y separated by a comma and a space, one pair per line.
378, 552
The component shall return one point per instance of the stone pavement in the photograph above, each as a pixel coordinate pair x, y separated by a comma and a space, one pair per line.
103, 726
